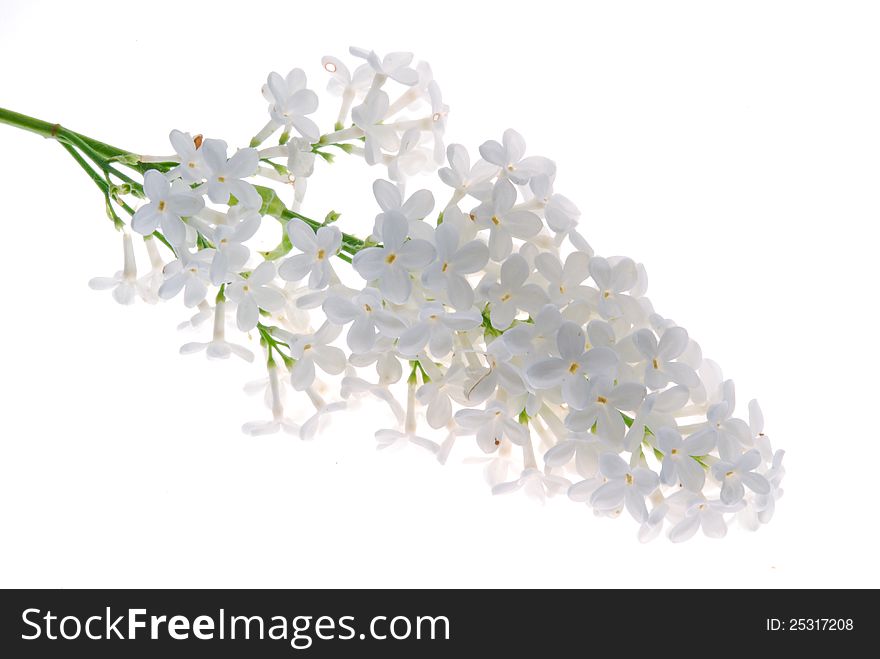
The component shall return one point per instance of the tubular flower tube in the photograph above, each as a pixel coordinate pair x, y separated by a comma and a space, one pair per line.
489, 324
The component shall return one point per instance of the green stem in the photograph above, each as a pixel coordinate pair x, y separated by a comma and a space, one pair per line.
96, 178
101, 153
101, 162
54, 131
274, 345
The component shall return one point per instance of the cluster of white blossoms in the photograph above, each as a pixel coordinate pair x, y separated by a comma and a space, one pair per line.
488, 318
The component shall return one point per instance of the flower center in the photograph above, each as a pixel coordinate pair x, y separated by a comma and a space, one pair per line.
222, 179
368, 308
629, 479
495, 220
674, 451
197, 141
574, 367
601, 399
321, 254
391, 258
656, 364
445, 267
246, 288
728, 474
606, 294
191, 164
162, 205
506, 297
307, 346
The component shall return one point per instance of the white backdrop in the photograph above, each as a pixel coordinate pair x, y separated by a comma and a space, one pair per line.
731, 147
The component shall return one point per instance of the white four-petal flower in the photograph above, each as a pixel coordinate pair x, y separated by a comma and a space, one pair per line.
392, 263
574, 363
253, 293
679, 463
226, 176
508, 155
448, 272
504, 221
734, 475
317, 248
290, 102
624, 486
169, 204
660, 365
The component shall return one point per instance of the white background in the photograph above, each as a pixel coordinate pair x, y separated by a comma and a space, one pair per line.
734, 148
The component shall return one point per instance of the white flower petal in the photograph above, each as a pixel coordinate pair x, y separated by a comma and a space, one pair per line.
194, 292
416, 254
613, 466
419, 205
732, 490
561, 454
571, 341
713, 524
247, 315
756, 483
301, 235
330, 359
361, 335
370, 263
700, 443
608, 496
691, 474
395, 284
339, 310
471, 258
459, 292
522, 224
600, 361
673, 342
583, 490
681, 373
685, 529
635, 505
546, 373
646, 343
576, 391
439, 412
296, 267
414, 339
302, 374
387, 195
103, 283
268, 298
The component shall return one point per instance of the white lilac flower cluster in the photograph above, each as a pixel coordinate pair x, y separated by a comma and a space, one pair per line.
494, 316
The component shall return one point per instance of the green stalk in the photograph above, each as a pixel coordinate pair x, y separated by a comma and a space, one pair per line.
102, 154
54, 131
96, 178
